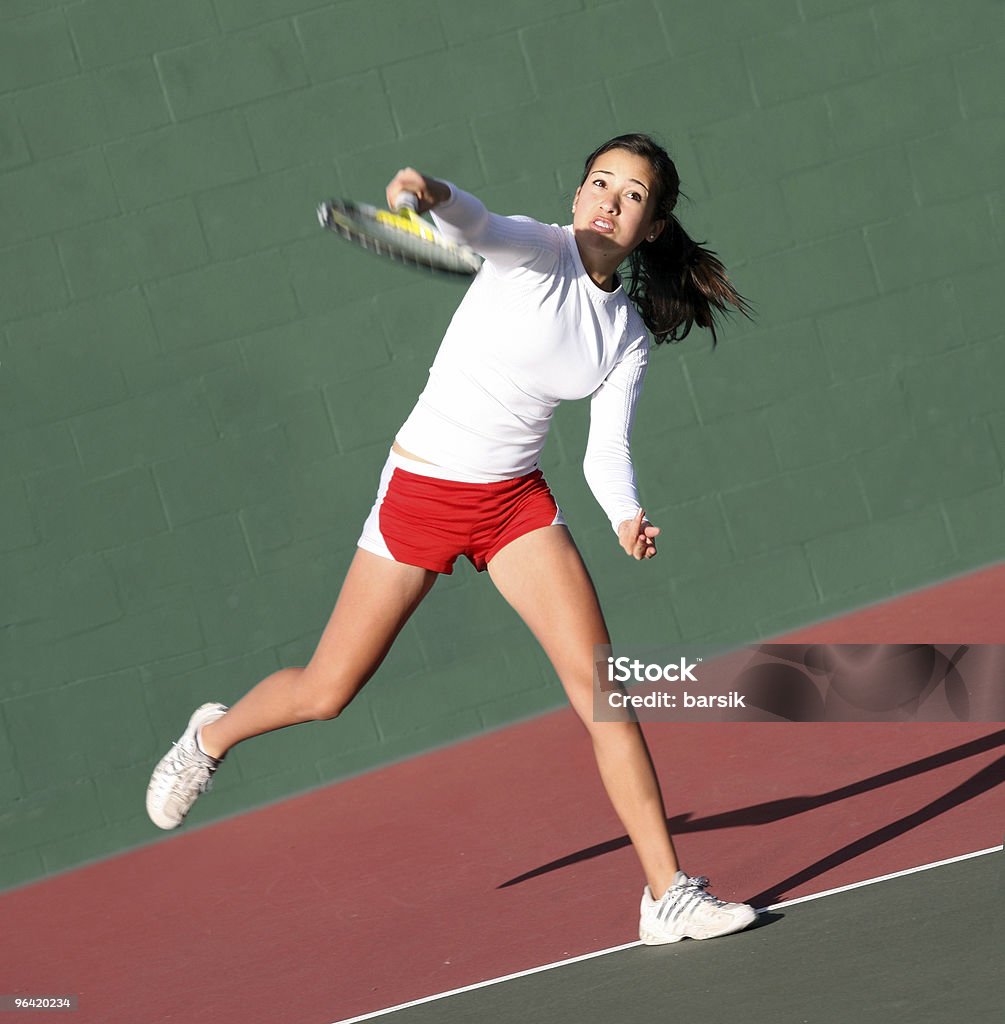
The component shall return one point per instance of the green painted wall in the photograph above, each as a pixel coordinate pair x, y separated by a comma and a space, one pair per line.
197, 386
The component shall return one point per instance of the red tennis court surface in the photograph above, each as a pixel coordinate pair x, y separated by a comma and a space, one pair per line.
501, 853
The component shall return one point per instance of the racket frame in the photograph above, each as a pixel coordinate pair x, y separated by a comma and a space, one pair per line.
401, 235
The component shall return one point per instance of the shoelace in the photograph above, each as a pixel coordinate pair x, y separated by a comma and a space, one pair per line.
700, 883
186, 767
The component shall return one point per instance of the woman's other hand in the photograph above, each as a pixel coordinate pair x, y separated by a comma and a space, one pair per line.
638, 536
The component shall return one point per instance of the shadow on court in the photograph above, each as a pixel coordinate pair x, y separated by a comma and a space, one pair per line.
983, 781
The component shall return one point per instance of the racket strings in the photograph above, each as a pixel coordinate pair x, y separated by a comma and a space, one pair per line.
409, 222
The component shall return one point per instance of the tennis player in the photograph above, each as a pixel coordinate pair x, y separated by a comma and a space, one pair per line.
547, 318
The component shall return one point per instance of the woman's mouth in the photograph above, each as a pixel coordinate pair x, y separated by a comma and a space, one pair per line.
602, 224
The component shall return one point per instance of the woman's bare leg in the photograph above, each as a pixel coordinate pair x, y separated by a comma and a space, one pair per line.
542, 575
375, 602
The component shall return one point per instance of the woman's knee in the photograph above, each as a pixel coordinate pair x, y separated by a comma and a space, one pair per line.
327, 709
324, 698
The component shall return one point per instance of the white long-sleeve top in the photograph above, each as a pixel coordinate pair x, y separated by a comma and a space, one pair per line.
532, 330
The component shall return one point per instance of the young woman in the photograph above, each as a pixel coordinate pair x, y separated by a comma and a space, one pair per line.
547, 318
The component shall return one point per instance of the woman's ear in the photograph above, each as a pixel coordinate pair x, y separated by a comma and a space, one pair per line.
655, 230
576, 197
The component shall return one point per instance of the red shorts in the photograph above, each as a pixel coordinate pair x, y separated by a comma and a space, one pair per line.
428, 521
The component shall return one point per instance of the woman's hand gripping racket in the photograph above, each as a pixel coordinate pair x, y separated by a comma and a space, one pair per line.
401, 235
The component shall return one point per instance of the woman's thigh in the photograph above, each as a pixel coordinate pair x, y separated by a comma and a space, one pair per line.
542, 576
376, 600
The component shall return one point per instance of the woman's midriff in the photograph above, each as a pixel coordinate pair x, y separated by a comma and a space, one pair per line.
408, 455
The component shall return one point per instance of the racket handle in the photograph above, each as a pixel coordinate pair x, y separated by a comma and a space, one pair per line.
407, 201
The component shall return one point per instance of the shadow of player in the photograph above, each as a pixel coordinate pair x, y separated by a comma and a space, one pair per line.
775, 810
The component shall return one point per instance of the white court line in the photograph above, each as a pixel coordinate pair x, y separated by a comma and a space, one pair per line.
630, 945
879, 878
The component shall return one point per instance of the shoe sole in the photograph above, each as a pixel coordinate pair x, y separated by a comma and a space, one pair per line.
154, 814
648, 938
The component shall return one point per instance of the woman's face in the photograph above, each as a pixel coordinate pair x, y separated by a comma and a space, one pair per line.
614, 209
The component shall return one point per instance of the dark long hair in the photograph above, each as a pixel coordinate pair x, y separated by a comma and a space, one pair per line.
674, 281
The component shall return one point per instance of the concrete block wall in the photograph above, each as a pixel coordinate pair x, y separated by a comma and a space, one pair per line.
197, 386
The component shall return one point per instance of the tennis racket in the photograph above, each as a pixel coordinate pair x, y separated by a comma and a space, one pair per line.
401, 235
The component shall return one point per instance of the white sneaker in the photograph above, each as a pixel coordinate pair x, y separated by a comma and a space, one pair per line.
687, 911
183, 772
